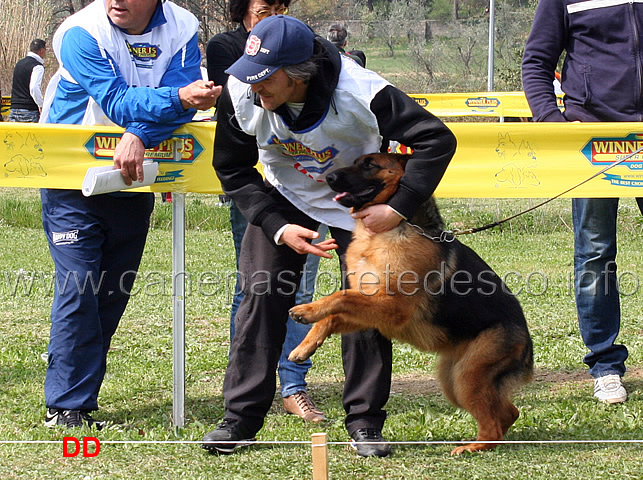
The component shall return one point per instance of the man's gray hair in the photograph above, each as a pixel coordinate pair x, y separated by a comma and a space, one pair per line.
337, 35
302, 71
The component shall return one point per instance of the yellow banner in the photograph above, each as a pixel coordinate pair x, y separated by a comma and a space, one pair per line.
544, 159
484, 104
492, 160
489, 104
57, 156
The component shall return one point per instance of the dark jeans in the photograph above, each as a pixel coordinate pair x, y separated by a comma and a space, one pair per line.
271, 274
24, 115
595, 282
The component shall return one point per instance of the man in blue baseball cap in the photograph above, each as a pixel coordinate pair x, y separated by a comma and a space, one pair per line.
300, 108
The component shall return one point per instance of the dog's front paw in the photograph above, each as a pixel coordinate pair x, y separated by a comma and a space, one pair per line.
304, 314
302, 352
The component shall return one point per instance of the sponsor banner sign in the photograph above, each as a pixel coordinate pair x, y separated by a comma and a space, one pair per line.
58, 156
486, 104
525, 160
540, 160
5, 106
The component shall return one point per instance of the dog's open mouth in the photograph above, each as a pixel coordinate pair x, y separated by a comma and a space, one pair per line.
340, 196
358, 199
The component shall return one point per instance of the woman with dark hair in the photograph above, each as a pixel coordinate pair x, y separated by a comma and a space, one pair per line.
225, 48
222, 51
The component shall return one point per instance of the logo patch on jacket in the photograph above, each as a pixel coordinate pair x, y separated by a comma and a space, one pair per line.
143, 52
315, 161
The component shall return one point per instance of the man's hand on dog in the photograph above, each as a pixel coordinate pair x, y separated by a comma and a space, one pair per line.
378, 218
296, 237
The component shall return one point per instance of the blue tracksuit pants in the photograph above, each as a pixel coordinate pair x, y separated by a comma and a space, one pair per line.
96, 244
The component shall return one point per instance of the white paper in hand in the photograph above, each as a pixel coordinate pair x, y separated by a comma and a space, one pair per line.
105, 179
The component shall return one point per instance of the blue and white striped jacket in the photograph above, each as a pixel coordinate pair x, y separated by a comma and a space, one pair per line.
103, 69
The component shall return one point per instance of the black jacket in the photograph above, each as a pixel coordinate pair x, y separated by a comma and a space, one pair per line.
222, 51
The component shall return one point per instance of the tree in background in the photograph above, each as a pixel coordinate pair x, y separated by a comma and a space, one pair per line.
456, 61
448, 56
28, 19
395, 21
213, 16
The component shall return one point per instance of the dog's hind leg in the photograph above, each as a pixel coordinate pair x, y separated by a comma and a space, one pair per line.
318, 333
469, 375
480, 398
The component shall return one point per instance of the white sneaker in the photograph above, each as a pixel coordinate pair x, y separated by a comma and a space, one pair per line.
609, 389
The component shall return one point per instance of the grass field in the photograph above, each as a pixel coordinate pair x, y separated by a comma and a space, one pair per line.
533, 252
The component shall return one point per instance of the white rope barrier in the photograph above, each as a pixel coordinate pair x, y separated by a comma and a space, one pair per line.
308, 442
318, 444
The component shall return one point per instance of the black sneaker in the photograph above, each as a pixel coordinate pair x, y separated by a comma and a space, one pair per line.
71, 419
369, 443
231, 433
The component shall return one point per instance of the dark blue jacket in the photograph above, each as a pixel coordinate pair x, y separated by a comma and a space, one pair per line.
602, 75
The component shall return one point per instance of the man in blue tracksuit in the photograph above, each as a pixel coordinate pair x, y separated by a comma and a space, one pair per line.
133, 63
602, 79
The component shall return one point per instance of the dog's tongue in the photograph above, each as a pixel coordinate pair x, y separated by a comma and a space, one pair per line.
340, 195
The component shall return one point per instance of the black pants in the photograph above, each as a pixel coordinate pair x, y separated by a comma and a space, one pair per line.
270, 276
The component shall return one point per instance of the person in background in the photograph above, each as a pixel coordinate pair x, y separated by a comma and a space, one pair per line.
338, 36
302, 109
26, 94
133, 63
601, 78
222, 51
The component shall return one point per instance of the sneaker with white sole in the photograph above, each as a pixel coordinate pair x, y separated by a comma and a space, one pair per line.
609, 389
71, 419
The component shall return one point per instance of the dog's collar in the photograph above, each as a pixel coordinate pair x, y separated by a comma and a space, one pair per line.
444, 237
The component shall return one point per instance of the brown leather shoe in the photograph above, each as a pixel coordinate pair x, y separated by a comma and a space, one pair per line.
302, 405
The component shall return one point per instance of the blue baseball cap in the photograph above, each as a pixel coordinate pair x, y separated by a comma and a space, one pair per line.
275, 42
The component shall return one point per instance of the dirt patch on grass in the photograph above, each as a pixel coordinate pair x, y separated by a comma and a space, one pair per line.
427, 384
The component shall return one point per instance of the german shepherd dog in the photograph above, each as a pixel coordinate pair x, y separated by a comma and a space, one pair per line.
420, 285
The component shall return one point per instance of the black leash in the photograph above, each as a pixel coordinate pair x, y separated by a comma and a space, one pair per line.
500, 222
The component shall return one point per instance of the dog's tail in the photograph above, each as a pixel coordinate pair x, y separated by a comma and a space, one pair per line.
518, 369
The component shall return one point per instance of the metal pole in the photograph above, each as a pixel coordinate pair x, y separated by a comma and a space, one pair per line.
492, 31
178, 295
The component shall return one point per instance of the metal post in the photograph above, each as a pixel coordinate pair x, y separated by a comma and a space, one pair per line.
178, 295
492, 36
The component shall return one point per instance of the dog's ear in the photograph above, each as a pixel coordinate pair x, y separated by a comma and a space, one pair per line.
402, 158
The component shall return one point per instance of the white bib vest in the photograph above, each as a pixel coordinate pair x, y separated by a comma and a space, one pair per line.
297, 163
141, 59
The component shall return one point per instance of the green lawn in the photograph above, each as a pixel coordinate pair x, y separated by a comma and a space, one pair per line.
533, 252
